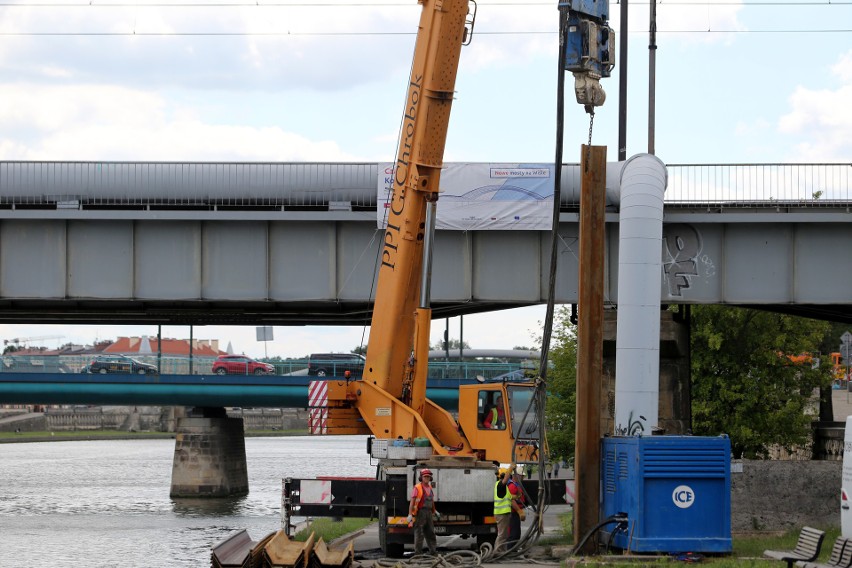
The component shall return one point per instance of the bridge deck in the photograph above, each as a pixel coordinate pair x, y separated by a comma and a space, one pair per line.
180, 390
164, 243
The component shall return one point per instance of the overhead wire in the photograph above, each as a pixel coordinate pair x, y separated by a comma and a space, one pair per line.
539, 399
373, 33
134, 33
401, 4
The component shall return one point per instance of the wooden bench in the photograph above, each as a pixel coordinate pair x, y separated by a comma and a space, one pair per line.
841, 556
807, 548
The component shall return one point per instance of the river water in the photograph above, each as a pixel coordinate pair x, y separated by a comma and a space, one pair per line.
106, 503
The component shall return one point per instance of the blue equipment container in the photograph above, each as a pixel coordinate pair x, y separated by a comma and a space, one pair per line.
675, 492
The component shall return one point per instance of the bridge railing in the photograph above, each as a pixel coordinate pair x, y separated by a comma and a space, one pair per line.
759, 185
323, 186
77, 363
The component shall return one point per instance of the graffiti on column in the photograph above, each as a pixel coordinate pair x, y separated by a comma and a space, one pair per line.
635, 427
681, 255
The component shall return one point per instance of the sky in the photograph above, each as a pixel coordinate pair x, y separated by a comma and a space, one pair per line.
286, 80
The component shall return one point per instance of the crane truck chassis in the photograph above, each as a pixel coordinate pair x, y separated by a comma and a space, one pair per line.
497, 422
464, 496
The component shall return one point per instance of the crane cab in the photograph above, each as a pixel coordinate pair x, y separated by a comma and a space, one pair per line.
497, 418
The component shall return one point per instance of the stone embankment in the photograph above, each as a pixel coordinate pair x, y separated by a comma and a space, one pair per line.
138, 419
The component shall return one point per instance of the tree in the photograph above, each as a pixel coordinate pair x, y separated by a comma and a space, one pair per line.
560, 410
454, 344
744, 383
360, 350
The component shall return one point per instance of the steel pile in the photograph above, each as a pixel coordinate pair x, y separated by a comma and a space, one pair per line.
277, 550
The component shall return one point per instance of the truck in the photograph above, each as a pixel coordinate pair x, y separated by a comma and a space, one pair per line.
406, 431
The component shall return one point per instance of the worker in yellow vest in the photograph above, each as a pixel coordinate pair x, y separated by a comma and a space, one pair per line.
503, 506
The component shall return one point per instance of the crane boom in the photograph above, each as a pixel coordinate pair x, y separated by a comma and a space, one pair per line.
416, 181
19, 340
391, 398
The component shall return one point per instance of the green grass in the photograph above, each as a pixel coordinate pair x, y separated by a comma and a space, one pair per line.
330, 529
753, 546
747, 549
566, 522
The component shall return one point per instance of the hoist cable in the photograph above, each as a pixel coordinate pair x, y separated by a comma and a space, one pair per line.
533, 533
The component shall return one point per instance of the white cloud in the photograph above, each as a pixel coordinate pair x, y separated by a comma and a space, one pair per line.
821, 119
843, 68
106, 122
329, 47
684, 16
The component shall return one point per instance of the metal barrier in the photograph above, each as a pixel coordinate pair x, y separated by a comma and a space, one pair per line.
77, 363
759, 185
352, 186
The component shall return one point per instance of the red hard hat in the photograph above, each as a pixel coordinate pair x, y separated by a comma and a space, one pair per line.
426, 471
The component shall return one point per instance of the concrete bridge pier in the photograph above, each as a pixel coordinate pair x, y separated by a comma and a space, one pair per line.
210, 455
675, 399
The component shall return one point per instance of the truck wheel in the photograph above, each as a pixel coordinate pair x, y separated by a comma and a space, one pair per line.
383, 528
483, 538
395, 550
390, 549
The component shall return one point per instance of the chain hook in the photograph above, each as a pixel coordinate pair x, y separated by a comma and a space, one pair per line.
589, 146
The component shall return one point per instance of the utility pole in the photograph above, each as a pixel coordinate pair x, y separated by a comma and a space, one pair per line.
652, 79
622, 85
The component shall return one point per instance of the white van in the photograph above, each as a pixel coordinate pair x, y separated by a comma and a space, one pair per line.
846, 483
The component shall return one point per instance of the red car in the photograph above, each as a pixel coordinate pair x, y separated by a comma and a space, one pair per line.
241, 365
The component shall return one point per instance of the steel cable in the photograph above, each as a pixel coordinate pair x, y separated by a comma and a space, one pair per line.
455, 559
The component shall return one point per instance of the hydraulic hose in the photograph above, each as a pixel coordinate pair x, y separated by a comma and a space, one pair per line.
539, 399
596, 528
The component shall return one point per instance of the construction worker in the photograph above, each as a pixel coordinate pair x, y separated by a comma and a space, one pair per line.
495, 417
502, 505
420, 512
518, 514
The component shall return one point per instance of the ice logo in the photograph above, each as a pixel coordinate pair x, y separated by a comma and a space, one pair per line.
683, 496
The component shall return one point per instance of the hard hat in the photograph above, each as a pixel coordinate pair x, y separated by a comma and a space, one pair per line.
425, 471
502, 471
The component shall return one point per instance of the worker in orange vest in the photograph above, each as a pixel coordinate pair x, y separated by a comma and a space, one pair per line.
420, 512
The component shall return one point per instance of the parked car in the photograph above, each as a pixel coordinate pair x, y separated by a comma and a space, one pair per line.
241, 365
335, 364
119, 364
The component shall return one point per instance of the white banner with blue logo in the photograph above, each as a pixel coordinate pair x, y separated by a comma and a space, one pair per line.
481, 196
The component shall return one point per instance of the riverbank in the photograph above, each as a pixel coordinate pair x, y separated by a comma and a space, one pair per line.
69, 436
138, 419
